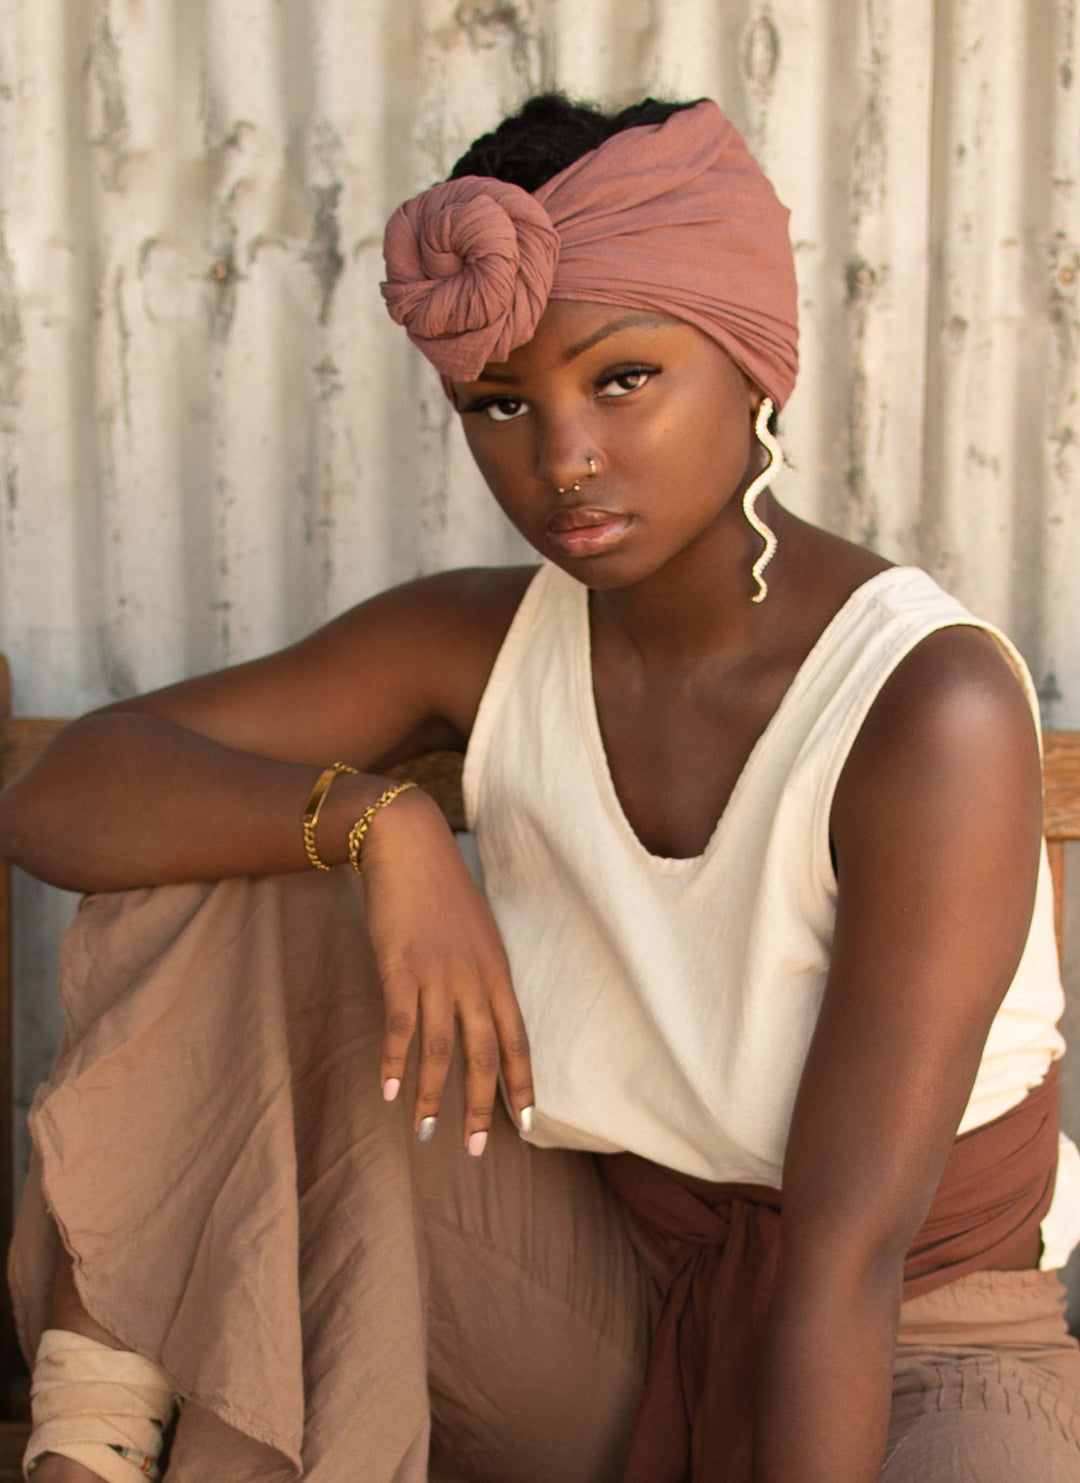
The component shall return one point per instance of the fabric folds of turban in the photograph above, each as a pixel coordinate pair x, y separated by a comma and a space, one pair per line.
675, 218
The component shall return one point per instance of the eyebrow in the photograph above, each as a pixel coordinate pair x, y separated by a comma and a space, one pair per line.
627, 321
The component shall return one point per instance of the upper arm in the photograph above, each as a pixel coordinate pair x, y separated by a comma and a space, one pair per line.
396, 675
936, 827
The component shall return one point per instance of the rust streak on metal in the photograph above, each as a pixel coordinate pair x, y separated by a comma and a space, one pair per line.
12, 338
104, 65
324, 253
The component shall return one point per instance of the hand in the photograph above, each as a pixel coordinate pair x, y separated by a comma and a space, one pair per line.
441, 961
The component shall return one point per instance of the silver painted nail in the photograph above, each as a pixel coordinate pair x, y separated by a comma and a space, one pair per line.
526, 1119
426, 1131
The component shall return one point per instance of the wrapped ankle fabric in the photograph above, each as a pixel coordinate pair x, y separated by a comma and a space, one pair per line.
103, 1407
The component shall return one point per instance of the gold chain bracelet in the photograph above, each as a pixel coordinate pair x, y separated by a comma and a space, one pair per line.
363, 823
313, 808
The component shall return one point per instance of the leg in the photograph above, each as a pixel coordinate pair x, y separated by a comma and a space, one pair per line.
66, 1312
267, 1232
538, 1312
982, 1418
234, 1192
987, 1385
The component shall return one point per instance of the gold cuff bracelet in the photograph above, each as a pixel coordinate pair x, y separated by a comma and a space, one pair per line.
313, 809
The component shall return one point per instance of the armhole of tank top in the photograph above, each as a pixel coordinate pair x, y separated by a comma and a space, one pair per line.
498, 681
853, 721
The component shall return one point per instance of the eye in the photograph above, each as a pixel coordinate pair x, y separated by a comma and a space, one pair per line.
624, 382
502, 409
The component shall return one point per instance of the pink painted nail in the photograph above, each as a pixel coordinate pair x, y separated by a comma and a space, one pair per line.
477, 1144
390, 1088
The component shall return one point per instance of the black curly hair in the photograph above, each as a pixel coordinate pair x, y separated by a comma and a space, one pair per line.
550, 132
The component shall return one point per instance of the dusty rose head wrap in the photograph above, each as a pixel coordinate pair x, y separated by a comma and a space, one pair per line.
676, 218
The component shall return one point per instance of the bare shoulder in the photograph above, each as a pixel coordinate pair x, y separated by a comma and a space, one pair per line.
448, 628
956, 683
952, 728
956, 689
471, 605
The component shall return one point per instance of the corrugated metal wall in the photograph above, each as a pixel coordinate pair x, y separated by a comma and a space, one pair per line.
212, 438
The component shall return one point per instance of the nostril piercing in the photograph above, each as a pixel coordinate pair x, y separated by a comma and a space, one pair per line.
592, 468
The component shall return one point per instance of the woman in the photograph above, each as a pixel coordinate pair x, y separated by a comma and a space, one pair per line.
759, 817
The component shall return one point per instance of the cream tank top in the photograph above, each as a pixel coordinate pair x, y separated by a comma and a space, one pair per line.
670, 1002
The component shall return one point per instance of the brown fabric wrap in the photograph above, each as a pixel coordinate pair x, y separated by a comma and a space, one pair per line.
719, 1245
675, 218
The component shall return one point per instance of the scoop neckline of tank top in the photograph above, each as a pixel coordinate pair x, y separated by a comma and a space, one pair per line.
598, 758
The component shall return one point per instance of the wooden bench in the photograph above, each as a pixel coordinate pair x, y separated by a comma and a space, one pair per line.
22, 738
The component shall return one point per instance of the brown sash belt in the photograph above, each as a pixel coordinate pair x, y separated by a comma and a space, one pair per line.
720, 1246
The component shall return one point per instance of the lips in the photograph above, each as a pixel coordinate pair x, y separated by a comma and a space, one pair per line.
581, 518
587, 530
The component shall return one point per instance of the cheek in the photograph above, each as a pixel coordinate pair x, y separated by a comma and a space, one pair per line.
484, 453
499, 456
703, 445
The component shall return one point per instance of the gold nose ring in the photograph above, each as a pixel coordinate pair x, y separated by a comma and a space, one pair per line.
575, 488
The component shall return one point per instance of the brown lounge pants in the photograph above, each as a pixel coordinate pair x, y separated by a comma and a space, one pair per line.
339, 1302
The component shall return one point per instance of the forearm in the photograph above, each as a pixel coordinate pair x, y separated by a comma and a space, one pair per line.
127, 799
825, 1379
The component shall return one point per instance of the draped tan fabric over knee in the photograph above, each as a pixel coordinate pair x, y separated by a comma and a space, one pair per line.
339, 1302
330, 1296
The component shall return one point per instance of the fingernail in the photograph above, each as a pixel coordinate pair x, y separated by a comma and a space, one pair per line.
426, 1131
390, 1088
477, 1144
526, 1117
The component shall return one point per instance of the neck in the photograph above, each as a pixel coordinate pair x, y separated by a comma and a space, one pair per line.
701, 602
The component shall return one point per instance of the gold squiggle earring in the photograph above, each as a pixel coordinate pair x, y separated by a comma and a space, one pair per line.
776, 458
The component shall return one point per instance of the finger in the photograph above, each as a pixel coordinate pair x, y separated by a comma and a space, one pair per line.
514, 1053
400, 998
480, 1045
436, 1041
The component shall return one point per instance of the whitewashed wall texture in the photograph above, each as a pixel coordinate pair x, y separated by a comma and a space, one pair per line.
212, 438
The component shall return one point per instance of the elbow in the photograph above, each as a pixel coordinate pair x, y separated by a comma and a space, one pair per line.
864, 1262
35, 805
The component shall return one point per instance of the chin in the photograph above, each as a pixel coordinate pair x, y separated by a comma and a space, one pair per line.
606, 572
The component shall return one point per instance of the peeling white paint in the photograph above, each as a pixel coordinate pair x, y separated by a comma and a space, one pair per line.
212, 438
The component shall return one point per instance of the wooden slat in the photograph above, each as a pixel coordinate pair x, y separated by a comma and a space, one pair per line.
1061, 770
7, 1111
1055, 849
438, 773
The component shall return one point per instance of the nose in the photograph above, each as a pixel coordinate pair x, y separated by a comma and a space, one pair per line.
564, 459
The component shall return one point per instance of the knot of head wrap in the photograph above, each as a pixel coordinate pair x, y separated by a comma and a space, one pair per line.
675, 218
471, 264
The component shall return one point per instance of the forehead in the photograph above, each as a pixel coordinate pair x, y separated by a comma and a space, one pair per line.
574, 318
568, 323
